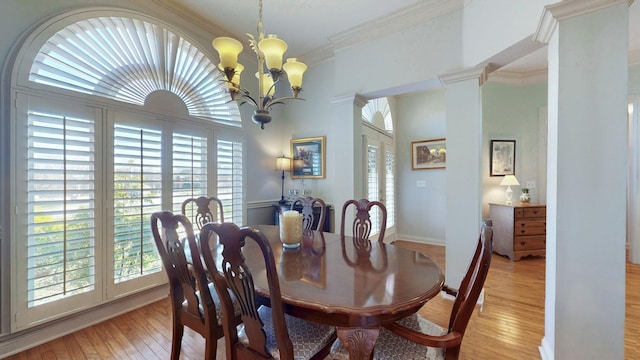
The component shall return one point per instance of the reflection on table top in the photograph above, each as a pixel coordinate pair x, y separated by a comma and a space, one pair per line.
354, 284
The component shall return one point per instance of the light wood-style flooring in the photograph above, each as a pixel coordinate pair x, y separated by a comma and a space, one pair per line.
510, 325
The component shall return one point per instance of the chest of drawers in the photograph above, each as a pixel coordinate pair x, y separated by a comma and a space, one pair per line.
519, 230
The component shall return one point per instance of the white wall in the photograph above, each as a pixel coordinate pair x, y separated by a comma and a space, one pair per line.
420, 210
510, 112
485, 22
411, 56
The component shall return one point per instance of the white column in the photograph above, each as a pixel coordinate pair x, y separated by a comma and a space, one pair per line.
586, 179
463, 171
347, 162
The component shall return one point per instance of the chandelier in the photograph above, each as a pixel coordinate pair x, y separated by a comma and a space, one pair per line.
269, 51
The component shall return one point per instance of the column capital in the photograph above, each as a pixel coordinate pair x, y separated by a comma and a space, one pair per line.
568, 9
479, 72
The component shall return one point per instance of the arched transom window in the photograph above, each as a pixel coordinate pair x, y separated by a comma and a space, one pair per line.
127, 59
377, 113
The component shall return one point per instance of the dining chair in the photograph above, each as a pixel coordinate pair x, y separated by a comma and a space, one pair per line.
199, 210
268, 333
194, 302
415, 337
308, 204
362, 225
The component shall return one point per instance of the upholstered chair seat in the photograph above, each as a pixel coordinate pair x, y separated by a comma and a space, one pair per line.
392, 346
308, 338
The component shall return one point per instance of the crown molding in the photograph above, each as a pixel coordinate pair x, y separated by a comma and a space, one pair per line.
410, 16
318, 55
185, 17
355, 99
552, 14
537, 76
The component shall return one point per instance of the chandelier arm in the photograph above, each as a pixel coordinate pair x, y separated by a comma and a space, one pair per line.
280, 101
251, 100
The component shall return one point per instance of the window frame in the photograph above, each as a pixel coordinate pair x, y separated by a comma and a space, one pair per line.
21, 90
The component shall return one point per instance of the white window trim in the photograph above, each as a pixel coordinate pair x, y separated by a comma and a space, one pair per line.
21, 87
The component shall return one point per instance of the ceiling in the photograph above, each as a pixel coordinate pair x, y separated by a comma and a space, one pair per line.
311, 27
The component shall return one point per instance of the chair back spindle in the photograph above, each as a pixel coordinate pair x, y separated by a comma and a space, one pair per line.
201, 211
192, 303
265, 334
362, 225
308, 204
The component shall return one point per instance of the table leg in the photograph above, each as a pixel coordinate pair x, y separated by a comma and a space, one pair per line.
359, 342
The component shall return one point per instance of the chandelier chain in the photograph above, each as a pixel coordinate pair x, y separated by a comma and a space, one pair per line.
260, 27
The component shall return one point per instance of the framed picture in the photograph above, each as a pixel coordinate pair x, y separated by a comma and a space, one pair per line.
307, 157
428, 154
503, 157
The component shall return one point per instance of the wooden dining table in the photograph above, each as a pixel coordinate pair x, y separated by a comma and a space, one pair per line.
355, 285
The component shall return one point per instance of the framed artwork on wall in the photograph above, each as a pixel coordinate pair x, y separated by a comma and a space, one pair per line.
308, 158
428, 154
502, 158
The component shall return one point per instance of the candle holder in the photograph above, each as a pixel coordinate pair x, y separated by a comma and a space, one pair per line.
291, 229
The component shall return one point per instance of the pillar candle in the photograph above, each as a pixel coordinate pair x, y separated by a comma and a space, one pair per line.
291, 228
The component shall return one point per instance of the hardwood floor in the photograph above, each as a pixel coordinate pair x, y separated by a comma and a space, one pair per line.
510, 325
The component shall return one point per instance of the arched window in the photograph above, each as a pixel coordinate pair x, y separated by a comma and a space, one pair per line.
377, 113
379, 158
127, 59
116, 116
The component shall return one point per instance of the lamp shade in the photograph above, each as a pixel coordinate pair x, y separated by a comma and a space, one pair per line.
509, 180
273, 50
267, 84
228, 50
234, 84
295, 69
283, 163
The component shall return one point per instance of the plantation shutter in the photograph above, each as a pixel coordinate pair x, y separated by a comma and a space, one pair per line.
189, 169
229, 158
60, 206
390, 199
137, 187
373, 183
126, 59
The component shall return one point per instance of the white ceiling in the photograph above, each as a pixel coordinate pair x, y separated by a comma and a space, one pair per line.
311, 26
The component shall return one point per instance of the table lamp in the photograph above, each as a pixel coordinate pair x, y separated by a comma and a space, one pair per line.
283, 164
508, 180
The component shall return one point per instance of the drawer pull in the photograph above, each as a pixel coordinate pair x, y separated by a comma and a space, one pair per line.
523, 231
522, 243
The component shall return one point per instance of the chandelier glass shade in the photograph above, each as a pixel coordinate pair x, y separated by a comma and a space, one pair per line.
269, 51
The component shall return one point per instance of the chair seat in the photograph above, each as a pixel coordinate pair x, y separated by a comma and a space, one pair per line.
308, 338
216, 301
392, 346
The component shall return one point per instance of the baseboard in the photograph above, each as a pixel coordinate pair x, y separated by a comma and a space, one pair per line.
18, 342
546, 352
421, 240
449, 297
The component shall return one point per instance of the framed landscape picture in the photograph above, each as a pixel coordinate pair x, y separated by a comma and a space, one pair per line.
502, 157
428, 154
308, 157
